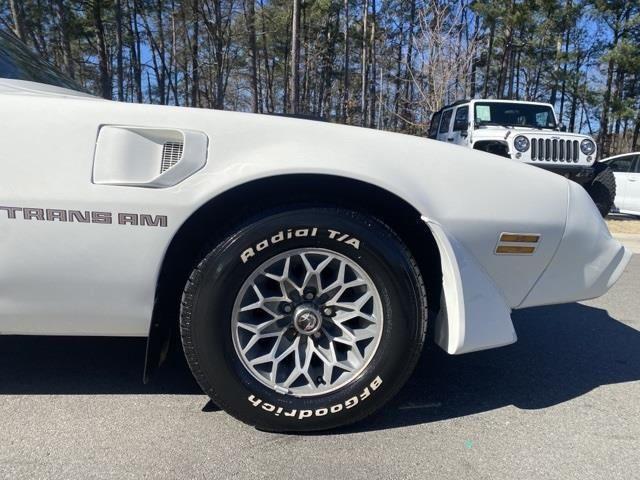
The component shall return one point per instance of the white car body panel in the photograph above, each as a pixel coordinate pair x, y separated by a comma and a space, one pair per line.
587, 250
70, 278
632, 194
627, 184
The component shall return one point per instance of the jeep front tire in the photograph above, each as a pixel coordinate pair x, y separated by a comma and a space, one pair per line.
304, 320
602, 189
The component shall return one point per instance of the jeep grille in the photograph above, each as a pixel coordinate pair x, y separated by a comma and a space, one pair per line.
554, 150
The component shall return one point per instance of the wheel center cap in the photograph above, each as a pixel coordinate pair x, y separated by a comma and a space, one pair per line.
307, 320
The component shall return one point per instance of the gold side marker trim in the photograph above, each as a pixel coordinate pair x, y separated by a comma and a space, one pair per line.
517, 243
513, 249
520, 237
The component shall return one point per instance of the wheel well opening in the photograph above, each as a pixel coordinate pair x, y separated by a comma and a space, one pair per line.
214, 220
493, 146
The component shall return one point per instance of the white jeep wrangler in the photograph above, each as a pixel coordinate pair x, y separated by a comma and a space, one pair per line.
528, 132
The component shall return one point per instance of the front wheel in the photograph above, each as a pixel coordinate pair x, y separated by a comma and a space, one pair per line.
303, 320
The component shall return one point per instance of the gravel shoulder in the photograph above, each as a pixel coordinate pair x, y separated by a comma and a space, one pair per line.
623, 224
625, 229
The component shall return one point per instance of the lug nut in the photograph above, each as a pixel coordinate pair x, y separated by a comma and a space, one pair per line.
309, 295
287, 309
327, 311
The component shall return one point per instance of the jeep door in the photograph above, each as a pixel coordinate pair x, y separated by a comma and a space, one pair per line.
445, 126
433, 126
460, 129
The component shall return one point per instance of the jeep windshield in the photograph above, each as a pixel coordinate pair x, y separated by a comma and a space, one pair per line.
17, 62
515, 114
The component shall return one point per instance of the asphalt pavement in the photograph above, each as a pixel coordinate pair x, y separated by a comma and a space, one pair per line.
562, 403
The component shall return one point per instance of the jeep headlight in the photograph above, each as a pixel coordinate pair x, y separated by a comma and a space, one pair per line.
587, 146
521, 143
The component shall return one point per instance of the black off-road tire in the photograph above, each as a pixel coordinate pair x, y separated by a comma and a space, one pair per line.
209, 299
602, 188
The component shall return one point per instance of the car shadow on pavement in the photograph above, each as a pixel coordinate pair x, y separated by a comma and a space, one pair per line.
563, 352
86, 366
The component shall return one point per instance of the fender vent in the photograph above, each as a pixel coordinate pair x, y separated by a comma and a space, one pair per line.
171, 154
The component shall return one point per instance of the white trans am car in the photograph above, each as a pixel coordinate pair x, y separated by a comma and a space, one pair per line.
298, 262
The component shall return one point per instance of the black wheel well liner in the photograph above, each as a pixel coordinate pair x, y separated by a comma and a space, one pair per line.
212, 221
494, 146
493, 141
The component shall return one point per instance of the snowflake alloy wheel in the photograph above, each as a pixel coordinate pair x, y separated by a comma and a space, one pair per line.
307, 322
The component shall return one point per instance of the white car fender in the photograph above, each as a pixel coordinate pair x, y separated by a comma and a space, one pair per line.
473, 314
586, 242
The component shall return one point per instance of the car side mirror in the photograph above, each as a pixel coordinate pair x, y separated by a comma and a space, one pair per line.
562, 127
464, 133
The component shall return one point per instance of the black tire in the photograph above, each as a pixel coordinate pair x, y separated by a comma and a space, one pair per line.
208, 301
602, 188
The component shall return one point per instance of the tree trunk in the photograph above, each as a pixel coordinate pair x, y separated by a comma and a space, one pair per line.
294, 79
473, 88
119, 60
330, 32
195, 63
512, 63
603, 137
63, 21
286, 53
17, 17
162, 88
556, 68
398, 82
217, 30
103, 57
504, 64
618, 121
487, 74
307, 63
575, 88
563, 87
250, 16
135, 51
364, 64
518, 75
269, 96
345, 71
407, 113
636, 134
372, 90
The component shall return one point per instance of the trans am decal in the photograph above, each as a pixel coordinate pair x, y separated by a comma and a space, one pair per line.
84, 216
